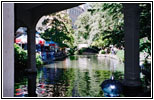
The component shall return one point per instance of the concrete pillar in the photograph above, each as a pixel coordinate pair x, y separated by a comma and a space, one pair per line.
32, 85
31, 50
131, 31
32, 71
8, 50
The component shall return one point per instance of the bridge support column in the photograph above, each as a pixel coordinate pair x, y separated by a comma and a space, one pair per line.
131, 30
32, 71
8, 50
31, 51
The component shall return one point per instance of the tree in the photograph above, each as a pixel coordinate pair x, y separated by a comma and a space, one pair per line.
82, 31
145, 28
59, 29
104, 24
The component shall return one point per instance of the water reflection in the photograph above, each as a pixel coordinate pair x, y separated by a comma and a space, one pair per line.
79, 76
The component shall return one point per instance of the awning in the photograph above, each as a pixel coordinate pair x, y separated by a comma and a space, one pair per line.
23, 40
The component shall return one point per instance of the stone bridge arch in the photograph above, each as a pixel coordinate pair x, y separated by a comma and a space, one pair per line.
28, 14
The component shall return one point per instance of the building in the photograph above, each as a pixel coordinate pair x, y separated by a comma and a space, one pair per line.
74, 13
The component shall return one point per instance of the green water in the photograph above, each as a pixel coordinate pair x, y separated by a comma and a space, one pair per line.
77, 76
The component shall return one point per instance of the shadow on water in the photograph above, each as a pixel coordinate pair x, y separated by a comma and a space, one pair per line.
78, 76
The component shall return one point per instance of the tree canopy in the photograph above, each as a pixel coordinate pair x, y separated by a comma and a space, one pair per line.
59, 29
145, 28
102, 24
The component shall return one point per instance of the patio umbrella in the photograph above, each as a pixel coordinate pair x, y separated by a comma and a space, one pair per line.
39, 40
18, 41
22, 39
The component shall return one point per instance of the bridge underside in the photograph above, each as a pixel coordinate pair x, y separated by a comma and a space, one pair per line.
28, 14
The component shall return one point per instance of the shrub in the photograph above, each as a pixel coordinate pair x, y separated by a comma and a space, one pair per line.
21, 58
71, 51
102, 52
39, 61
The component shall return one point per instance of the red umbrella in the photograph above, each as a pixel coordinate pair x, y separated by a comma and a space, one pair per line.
41, 42
18, 41
22, 39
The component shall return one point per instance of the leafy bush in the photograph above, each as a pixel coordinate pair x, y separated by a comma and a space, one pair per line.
102, 52
21, 58
118, 75
145, 29
39, 61
72, 51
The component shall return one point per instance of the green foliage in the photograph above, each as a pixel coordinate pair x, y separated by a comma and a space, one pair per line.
145, 41
145, 45
83, 27
102, 52
102, 25
39, 61
60, 30
72, 50
21, 58
145, 28
145, 20
118, 75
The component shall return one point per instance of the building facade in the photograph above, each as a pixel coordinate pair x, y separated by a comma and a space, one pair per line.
74, 13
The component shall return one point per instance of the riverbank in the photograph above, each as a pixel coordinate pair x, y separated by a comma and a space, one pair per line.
118, 54
110, 56
88, 53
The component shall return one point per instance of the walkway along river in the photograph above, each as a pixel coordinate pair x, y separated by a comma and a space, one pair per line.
76, 76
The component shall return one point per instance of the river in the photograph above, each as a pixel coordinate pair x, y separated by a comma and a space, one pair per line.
76, 76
